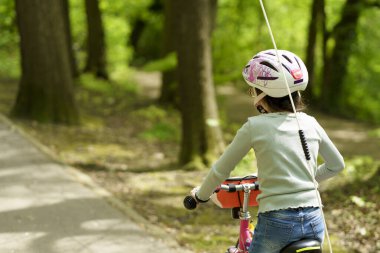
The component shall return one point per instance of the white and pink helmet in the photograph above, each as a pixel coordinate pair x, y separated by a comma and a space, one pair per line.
263, 72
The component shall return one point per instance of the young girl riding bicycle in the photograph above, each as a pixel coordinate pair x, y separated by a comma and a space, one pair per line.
288, 203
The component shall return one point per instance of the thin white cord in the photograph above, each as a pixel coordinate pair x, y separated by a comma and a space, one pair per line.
298, 123
279, 61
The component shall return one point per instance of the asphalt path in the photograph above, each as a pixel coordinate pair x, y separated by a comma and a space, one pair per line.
48, 207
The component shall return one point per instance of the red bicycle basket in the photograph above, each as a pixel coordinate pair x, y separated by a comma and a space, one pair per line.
235, 199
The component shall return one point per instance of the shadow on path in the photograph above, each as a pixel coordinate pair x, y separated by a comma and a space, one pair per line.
45, 210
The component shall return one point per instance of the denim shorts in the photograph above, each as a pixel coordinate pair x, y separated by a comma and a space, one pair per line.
276, 229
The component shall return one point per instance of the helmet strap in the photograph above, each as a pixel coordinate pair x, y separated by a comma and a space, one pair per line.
258, 98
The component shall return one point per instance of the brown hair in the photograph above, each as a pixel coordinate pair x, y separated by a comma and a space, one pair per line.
283, 104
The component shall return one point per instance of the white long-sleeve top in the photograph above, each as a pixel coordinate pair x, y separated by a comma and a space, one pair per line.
282, 166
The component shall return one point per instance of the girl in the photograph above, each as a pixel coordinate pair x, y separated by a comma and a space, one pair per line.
288, 203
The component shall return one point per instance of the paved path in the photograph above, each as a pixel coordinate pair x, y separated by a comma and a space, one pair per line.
44, 209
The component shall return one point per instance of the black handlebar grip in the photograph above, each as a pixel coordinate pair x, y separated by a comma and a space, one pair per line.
190, 203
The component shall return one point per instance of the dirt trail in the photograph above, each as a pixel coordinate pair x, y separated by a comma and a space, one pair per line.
352, 138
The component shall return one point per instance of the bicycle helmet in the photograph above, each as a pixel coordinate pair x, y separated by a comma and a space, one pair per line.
263, 72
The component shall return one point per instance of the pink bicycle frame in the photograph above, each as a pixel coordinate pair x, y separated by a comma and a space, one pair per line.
245, 236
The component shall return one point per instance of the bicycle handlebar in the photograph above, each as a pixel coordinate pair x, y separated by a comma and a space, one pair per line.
190, 203
238, 187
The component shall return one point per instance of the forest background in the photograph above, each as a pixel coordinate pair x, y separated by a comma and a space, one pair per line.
111, 86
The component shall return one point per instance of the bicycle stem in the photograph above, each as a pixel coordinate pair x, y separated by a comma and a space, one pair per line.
245, 235
247, 192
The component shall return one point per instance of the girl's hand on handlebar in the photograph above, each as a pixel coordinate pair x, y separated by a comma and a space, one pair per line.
195, 196
190, 202
193, 192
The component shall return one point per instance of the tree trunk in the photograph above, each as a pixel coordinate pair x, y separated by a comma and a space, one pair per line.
46, 87
201, 134
169, 88
66, 16
325, 37
316, 21
344, 34
213, 13
96, 49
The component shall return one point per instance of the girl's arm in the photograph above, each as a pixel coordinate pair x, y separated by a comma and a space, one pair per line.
334, 162
221, 170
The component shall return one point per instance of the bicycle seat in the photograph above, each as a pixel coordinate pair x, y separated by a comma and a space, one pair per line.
303, 246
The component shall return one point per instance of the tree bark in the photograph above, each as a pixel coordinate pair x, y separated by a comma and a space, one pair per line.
344, 34
316, 24
169, 88
96, 48
213, 13
201, 134
66, 16
46, 86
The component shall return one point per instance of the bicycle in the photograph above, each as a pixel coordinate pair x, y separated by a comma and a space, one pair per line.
238, 193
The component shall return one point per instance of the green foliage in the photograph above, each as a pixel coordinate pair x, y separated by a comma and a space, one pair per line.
7, 24
9, 58
114, 20
116, 28
146, 50
78, 30
149, 42
10, 64
246, 166
241, 32
361, 85
96, 85
159, 131
118, 19
358, 170
160, 124
152, 113
167, 63
333, 9
375, 133
120, 88
102, 97
361, 202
